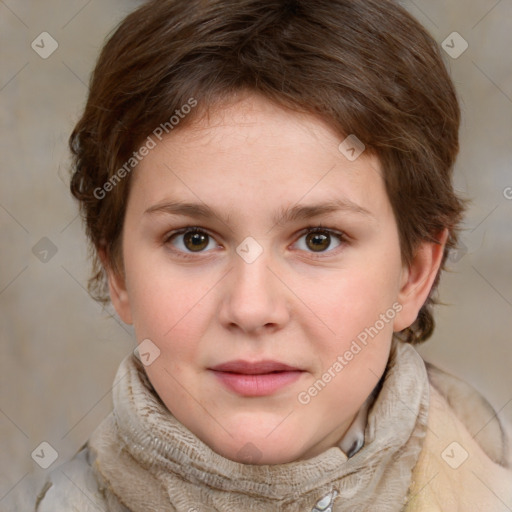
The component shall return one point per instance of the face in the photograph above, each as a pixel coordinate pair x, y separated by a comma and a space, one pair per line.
251, 237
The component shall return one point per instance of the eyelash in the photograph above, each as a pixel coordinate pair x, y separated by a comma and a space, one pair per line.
342, 237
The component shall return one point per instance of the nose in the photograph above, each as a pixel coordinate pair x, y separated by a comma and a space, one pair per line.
255, 300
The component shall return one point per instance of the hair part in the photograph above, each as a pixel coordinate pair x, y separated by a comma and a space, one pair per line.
365, 67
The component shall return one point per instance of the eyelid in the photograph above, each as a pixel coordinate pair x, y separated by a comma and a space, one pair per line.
322, 227
185, 230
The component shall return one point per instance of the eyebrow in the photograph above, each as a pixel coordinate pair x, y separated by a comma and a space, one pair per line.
284, 215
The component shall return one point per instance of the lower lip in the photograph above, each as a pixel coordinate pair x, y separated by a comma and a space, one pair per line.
257, 385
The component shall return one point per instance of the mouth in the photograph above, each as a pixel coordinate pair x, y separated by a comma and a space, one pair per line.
260, 378
254, 368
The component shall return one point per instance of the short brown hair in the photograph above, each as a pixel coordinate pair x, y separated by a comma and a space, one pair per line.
367, 67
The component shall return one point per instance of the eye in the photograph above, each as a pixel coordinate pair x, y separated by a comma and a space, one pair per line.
190, 240
318, 239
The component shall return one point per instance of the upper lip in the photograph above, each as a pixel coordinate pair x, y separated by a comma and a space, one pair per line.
257, 367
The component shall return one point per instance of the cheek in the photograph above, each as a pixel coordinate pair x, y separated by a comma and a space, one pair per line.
167, 303
354, 300
360, 312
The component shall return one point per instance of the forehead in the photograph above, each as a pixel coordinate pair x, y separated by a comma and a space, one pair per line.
252, 121
253, 154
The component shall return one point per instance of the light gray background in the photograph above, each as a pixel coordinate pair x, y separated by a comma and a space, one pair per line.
60, 350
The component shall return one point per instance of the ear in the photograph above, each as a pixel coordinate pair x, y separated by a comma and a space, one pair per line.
417, 280
117, 289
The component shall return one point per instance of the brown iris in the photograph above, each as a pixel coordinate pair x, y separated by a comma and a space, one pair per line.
319, 240
195, 240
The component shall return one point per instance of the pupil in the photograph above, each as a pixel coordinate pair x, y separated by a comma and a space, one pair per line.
197, 241
319, 240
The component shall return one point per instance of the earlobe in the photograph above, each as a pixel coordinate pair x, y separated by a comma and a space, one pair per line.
418, 278
119, 296
118, 291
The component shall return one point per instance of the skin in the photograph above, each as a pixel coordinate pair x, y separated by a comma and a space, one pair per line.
293, 304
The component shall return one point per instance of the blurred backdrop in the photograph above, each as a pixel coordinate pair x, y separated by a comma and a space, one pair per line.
59, 349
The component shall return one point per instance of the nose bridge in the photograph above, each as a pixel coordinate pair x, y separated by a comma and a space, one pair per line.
253, 297
253, 274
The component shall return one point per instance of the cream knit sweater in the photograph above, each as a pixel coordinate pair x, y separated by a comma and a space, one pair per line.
431, 443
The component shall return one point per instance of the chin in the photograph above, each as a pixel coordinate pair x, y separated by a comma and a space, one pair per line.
256, 450
258, 438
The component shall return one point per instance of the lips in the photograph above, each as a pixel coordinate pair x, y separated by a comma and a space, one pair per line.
260, 378
256, 368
